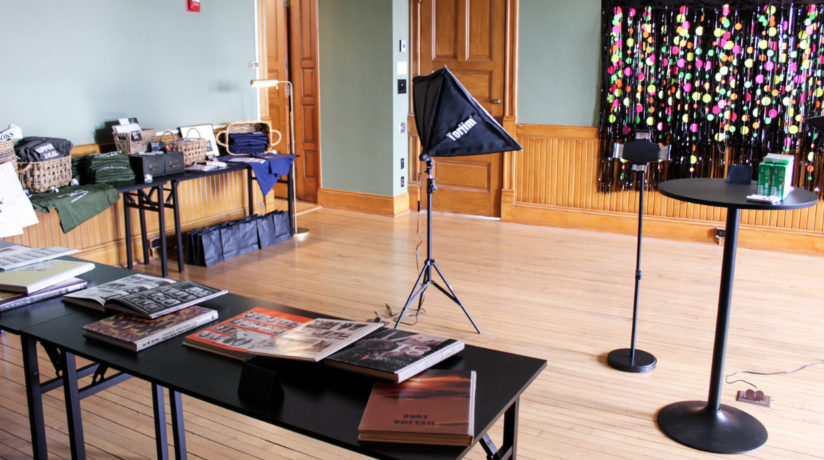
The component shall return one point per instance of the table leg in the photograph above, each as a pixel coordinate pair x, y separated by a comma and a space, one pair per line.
34, 397
127, 218
178, 429
73, 415
290, 197
511, 428
711, 426
143, 235
161, 217
508, 450
160, 422
250, 192
178, 233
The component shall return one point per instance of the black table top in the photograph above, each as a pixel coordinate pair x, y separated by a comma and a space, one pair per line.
17, 319
129, 186
320, 401
717, 192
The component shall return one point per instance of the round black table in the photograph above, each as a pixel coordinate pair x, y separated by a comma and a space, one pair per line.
709, 425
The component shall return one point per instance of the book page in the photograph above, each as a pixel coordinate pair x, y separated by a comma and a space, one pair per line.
120, 288
246, 331
316, 339
166, 298
17, 255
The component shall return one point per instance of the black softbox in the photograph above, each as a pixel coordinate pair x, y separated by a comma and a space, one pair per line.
450, 121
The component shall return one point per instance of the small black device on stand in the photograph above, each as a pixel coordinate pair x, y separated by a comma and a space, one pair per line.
639, 154
450, 123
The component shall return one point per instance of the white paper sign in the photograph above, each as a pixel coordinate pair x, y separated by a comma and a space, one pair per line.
15, 208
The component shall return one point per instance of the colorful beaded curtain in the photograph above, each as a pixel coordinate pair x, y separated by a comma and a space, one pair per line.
719, 84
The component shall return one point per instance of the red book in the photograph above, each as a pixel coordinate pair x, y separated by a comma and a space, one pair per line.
236, 336
435, 407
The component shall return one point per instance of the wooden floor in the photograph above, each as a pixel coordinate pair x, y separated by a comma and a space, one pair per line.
558, 294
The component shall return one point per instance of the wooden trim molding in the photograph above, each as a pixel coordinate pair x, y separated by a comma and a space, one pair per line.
750, 236
364, 202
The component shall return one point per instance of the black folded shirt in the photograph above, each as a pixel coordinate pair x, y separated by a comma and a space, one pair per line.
42, 149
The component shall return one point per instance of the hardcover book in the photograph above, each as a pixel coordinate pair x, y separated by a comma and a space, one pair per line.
149, 303
9, 300
39, 276
234, 337
435, 407
97, 296
315, 340
17, 256
395, 355
136, 333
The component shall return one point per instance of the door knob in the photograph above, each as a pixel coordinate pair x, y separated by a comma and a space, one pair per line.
496, 101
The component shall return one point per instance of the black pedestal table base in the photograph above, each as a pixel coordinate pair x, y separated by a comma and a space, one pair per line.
622, 360
726, 431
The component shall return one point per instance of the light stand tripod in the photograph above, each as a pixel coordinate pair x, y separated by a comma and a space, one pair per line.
631, 359
425, 278
639, 154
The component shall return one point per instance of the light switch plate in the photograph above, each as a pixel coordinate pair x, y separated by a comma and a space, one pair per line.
402, 67
403, 131
403, 46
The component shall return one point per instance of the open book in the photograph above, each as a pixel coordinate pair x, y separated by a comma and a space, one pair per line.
97, 296
154, 302
17, 256
315, 340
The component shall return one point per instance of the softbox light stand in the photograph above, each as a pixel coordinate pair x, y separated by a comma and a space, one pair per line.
450, 123
639, 154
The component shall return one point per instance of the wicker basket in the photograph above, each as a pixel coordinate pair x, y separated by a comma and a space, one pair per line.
193, 149
7, 154
126, 144
40, 176
242, 127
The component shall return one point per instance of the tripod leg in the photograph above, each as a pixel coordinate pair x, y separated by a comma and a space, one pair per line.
415, 292
454, 297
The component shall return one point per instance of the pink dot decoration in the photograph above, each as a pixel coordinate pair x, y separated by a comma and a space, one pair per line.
639, 108
694, 128
628, 71
759, 79
773, 113
769, 65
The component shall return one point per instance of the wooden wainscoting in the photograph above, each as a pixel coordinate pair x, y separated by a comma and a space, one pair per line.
554, 181
364, 202
204, 201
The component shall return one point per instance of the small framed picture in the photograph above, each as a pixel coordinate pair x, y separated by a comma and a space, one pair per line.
137, 136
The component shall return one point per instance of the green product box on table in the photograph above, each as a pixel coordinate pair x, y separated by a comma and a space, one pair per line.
782, 174
764, 178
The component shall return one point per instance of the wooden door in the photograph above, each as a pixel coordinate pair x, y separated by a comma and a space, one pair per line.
303, 37
469, 37
289, 49
274, 65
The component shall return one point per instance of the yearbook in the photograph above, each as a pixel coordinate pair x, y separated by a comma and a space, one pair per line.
39, 276
9, 300
395, 355
236, 336
136, 333
315, 340
436, 407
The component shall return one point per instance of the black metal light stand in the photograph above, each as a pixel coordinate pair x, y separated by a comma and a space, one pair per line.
639, 154
425, 278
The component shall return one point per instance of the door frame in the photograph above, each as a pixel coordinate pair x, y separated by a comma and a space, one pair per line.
510, 101
291, 40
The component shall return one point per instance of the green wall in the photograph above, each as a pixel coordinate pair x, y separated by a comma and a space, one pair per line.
559, 62
71, 66
357, 86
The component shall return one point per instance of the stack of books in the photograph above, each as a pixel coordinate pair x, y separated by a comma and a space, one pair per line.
29, 275
152, 309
